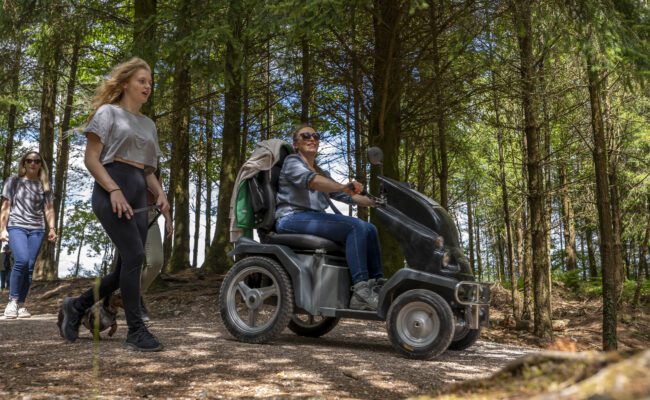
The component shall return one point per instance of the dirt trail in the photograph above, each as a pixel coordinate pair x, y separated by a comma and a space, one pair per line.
201, 360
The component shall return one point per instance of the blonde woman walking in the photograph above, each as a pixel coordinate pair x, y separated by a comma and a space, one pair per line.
121, 154
27, 204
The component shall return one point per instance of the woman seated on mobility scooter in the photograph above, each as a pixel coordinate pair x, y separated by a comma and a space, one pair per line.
301, 204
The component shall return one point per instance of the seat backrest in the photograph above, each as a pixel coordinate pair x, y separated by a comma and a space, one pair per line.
262, 189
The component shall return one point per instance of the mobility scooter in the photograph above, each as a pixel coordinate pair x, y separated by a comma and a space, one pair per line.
302, 282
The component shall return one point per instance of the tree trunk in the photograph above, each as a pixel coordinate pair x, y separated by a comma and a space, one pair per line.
77, 265
479, 262
348, 137
168, 241
527, 268
470, 230
267, 92
385, 109
505, 204
45, 268
305, 95
13, 110
64, 137
209, 134
197, 215
439, 102
568, 222
519, 240
357, 98
217, 259
612, 140
583, 263
180, 163
541, 282
607, 241
145, 44
246, 102
546, 168
643, 263
198, 192
593, 268
497, 245
60, 217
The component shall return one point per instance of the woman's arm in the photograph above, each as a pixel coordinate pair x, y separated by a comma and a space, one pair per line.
156, 188
4, 218
91, 158
50, 217
327, 185
363, 201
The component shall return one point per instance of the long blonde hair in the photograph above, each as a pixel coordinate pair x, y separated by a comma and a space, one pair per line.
111, 90
43, 172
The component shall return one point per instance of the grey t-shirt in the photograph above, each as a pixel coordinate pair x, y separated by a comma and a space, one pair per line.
294, 194
27, 203
129, 136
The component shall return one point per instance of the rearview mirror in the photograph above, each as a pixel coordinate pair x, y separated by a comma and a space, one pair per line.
375, 155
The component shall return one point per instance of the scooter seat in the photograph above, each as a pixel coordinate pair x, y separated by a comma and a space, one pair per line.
303, 242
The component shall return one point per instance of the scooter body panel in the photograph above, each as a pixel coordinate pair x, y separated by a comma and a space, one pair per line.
319, 280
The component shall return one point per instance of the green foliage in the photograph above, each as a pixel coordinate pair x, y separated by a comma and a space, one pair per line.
629, 287
571, 279
593, 288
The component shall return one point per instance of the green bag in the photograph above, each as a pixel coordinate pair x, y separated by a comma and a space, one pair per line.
244, 217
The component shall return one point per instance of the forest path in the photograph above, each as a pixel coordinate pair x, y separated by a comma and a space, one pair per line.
201, 360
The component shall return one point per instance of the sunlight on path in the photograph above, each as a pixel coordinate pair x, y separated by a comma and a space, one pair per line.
355, 360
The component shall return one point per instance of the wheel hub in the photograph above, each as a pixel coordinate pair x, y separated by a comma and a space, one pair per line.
253, 299
418, 324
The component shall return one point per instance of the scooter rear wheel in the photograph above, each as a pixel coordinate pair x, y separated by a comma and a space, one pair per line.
420, 324
256, 300
312, 325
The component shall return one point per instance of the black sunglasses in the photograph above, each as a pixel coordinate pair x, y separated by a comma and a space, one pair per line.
307, 136
32, 161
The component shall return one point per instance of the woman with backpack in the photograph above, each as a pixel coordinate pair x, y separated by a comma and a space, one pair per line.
122, 154
27, 205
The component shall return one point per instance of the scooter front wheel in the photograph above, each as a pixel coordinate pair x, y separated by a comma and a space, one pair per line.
256, 300
420, 324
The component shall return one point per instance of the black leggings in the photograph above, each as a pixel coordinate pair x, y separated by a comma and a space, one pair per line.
128, 235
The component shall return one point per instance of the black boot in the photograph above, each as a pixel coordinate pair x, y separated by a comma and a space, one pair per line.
141, 339
69, 324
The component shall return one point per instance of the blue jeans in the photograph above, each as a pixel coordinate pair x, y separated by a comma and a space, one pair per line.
360, 239
25, 244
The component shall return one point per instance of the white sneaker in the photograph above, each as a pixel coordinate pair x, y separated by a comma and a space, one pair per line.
23, 313
11, 311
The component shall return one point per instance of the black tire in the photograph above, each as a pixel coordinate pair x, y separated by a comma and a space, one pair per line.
259, 288
465, 339
420, 324
312, 326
